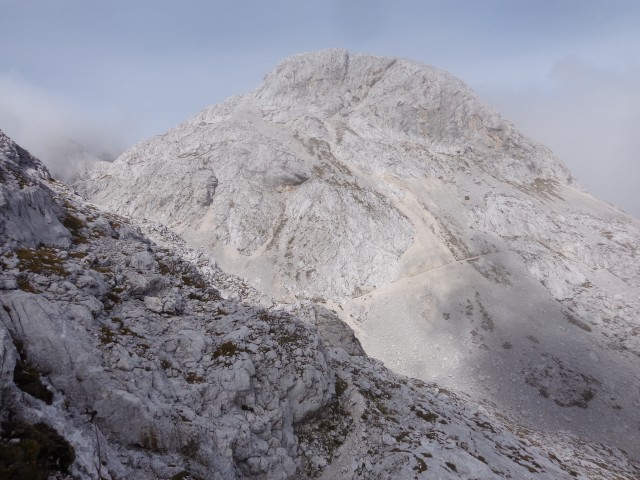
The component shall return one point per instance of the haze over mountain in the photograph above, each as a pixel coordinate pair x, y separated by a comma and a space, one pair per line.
566, 73
458, 250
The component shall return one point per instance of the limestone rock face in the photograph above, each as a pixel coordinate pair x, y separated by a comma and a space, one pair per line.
26, 216
143, 367
147, 361
457, 249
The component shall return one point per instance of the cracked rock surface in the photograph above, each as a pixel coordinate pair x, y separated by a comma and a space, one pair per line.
126, 353
458, 250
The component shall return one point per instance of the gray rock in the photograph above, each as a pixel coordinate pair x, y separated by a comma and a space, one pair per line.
385, 190
153, 303
228, 389
173, 304
142, 261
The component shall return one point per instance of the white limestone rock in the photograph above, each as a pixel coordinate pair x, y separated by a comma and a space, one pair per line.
426, 221
153, 303
226, 389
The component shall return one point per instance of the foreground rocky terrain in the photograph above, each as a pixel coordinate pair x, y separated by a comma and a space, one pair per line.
458, 250
124, 358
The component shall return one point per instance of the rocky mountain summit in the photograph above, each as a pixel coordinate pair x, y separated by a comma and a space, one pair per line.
125, 358
457, 249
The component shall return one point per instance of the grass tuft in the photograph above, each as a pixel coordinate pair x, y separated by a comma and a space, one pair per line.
43, 260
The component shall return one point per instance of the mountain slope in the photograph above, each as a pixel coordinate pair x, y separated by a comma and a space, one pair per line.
121, 354
458, 250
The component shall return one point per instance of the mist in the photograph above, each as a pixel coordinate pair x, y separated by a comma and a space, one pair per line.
66, 137
590, 118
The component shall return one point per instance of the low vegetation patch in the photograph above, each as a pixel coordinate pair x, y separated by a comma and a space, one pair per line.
149, 441
193, 377
421, 465
33, 452
426, 416
73, 224
206, 295
194, 280
44, 261
184, 475
102, 269
323, 434
25, 286
27, 377
106, 335
227, 349
341, 386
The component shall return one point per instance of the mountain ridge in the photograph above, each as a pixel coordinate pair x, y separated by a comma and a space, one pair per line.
457, 249
139, 367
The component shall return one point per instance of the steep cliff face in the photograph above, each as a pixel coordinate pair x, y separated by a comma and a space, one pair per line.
458, 250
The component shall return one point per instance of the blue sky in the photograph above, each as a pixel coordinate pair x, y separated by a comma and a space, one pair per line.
106, 74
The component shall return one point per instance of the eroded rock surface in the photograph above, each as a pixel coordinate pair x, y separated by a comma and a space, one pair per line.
457, 249
141, 368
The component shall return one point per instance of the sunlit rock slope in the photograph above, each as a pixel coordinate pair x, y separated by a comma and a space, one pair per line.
125, 358
458, 250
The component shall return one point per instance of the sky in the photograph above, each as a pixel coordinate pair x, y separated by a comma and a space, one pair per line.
81, 80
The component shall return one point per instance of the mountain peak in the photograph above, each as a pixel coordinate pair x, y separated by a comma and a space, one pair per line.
388, 99
338, 66
336, 82
387, 190
21, 159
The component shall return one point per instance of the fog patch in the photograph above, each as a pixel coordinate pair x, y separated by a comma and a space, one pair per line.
590, 117
65, 137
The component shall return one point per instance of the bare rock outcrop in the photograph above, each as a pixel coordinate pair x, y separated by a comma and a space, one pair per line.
211, 387
457, 249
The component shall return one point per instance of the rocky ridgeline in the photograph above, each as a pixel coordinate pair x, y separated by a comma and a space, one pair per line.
459, 251
120, 359
279, 172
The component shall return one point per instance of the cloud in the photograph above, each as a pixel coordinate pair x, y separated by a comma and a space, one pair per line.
64, 136
590, 117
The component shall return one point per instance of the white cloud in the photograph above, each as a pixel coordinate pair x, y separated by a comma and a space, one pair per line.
64, 136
